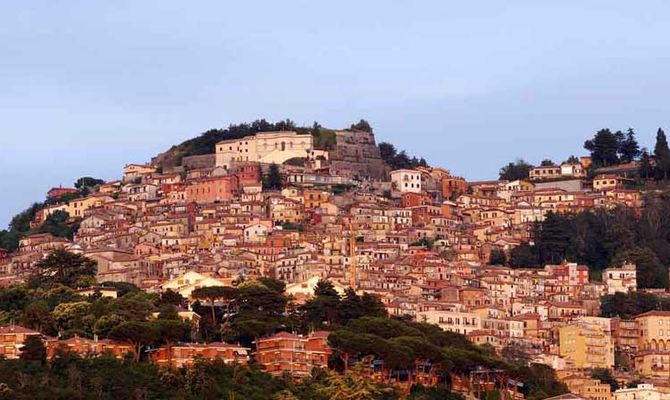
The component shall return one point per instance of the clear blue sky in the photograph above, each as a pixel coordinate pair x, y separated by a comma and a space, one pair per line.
87, 86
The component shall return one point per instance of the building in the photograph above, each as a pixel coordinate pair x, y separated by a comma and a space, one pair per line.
589, 388
544, 172
289, 353
654, 330
264, 147
622, 279
586, 346
56, 193
643, 391
211, 190
185, 355
406, 180
452, 321
12, 338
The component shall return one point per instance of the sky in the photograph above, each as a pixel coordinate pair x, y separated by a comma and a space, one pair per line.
88, 86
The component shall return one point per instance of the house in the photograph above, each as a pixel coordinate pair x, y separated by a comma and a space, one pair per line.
406, 180
606, 182
210, 190
643, 391
545, 172
305, 289
264, 147
586, 345
132, 172
12, 338
293, 354
621, 280
186, 354
185, 284
654, 330
56, 193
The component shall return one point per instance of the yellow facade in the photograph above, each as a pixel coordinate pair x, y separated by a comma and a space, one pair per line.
586, 346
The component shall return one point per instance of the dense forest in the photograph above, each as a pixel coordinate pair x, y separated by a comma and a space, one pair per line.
360, 334
601, 238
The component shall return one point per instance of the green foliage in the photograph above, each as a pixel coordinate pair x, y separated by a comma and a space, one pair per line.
604, 147
274, 179
88, 182
398, 160
513, 171
662, 156
361, 125
627, 305
33, 349
547, 163
604, 375
57, 224
64, 268
497, 257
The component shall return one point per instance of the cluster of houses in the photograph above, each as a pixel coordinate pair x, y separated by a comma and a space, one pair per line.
418, 238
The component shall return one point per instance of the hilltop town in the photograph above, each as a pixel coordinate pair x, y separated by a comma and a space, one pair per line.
559, 266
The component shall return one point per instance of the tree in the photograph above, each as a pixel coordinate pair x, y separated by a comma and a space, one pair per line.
87, 182
547, 163
212, 294
361, 125
646, 169
524, 256
169, 332
629, 149
136, 333
572, 160
662, 155
497, 257
604, 148
513, 171
33, 349
274, 179
604, 375
651, 273
323, 307
66, 268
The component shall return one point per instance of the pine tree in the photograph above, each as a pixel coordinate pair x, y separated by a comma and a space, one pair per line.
629, 149
662, 155
646, 169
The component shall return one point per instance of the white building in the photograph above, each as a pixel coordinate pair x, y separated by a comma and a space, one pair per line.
643, 391
622, 279
265, 147
452, 321
406, 181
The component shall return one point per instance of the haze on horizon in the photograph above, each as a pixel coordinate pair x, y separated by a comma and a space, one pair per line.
89, 86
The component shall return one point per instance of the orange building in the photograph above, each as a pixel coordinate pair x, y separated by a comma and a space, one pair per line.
248, 174
210, 190
12, 338
411, 199
453, 186
185, 355
313, 198
88, 347
297, 355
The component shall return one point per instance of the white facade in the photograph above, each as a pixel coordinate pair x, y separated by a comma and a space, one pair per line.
452, 321
643, 391
406, 180
265, 147
622, 279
